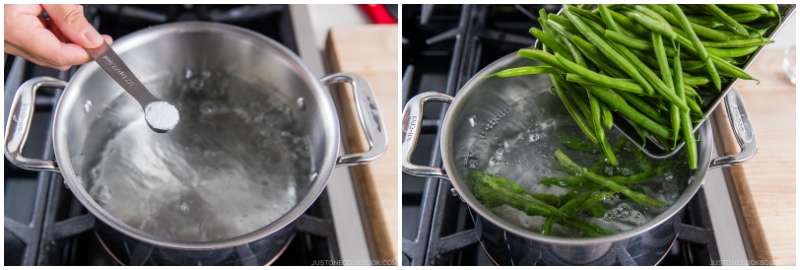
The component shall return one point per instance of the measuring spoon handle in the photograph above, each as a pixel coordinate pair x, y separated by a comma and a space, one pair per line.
113, 65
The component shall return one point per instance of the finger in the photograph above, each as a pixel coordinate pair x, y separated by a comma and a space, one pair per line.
55, 53
73, 24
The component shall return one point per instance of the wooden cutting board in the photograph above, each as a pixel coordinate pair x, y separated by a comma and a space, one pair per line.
766, 184
370, 51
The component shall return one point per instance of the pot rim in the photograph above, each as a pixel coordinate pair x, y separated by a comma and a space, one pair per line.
466, 195
139, 38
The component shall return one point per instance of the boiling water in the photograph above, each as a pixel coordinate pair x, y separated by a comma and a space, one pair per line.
235, 163
518, 143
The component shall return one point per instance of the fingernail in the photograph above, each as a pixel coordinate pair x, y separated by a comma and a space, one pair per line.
93, 36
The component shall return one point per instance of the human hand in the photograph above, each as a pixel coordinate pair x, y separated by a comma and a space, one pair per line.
58, 42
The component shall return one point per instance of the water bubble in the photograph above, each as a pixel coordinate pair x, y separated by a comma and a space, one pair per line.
184, 207
188, 74
87, 106
533, 137
301, 103
206, 74
472, 121
95, 173
207, 108
313, 176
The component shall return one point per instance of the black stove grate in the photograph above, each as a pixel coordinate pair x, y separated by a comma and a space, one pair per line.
443, 47
46, 225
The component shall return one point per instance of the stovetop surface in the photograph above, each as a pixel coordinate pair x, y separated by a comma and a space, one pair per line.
46, 225
443, 47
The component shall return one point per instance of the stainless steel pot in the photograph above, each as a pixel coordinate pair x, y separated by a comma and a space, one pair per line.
480, 100
196, 45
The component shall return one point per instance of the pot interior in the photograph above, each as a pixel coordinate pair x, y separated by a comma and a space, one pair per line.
256, 140
511, 127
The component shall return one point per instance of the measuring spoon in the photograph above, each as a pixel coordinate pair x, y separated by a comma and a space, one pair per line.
160, 115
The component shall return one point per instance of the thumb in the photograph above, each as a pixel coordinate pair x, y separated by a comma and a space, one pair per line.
73, 25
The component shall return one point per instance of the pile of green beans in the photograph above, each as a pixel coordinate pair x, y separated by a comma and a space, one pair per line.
651, 64
590, 188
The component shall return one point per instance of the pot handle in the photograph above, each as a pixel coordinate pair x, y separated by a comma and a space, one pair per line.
368, 115
742, 130
412, 124
19, 124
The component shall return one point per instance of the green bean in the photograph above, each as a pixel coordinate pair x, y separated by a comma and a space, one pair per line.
597, 210
729, 69
549, 41
564, 31
607, 19
702, 53
580, 99
735, 43
751, 8
612, 54
688, 131
702, 31
497, 182
575, 143
563, 21
628, 24
641, 177
644, 107
561, 87
547, 198
608, 118
594, 200
726, 19
597, 123
663, 64
732, 52
569, 207
491, 197
569, 165
544, 57
774, 9
651, 24
616, 102
585, 6
548, 226
746, 17
693, 105
651, 77
599, 79
598, 59
528, 70
707, 21
497, 189
587, 15
629, 41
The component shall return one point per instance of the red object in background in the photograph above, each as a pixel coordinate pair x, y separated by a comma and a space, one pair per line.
378, 14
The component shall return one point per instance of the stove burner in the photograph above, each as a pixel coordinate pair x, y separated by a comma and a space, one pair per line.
443, 47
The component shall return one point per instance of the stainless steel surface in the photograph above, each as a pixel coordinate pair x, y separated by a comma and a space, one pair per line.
175, 47
743, 131
412, 123
644, 245
19, 124
654, 149
368, 115
160, 116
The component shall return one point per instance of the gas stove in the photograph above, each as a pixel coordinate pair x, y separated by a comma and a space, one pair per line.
44, 223
443, 47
